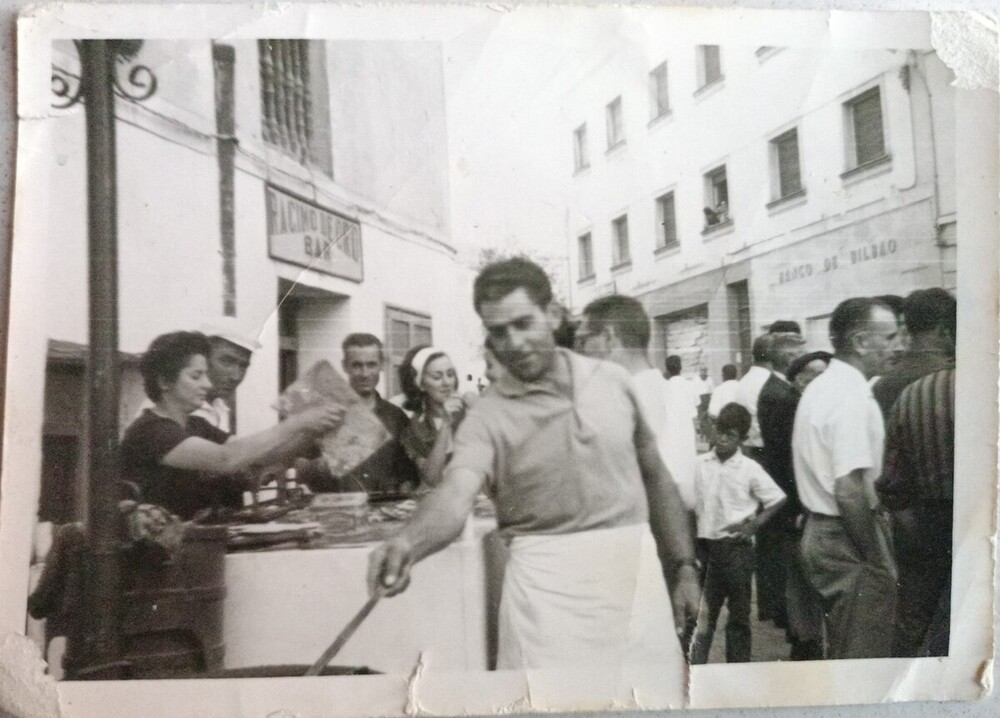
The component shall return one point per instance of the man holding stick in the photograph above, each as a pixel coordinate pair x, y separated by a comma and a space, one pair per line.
582, 498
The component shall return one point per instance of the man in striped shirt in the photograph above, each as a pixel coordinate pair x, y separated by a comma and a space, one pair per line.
919, 474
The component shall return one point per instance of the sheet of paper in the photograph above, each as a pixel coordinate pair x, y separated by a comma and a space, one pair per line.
359, 435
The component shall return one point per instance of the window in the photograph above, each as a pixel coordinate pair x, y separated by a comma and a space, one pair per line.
659, 100
785, 165
866, 139
619, 242
716, 197
616, 125
709, 65
403, 330
581, 156
585, 252
293, 99
666, 222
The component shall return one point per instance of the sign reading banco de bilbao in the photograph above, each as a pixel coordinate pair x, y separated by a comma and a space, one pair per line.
308, 235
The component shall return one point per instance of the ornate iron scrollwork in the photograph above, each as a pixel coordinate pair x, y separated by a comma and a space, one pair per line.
138, 84
142, 79
67, 87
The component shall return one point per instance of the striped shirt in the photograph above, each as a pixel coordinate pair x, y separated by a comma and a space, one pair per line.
920, 443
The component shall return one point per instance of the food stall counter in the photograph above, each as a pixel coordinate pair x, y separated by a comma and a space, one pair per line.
286, 606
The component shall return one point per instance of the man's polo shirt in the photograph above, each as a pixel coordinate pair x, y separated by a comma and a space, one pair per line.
838, 428
557, 461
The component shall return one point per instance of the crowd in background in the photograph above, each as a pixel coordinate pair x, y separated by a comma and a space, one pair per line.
830, 476
825, 479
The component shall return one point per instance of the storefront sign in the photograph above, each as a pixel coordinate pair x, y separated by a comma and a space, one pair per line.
846, 257
305, 234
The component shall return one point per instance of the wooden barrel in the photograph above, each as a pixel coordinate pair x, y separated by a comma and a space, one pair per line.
172, 613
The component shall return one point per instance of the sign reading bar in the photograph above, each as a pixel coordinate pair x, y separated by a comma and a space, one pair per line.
305, 234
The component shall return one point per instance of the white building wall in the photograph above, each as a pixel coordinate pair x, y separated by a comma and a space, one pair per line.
731, 122
390, 175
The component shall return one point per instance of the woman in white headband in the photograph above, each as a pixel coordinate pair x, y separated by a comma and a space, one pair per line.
430, 383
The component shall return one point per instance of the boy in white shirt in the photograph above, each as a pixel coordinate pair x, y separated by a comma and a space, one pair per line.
734, 497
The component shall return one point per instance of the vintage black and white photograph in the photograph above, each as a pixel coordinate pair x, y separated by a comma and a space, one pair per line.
548, 358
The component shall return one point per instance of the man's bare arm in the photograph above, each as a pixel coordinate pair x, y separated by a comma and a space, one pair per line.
852, 500
668, 521
437, 522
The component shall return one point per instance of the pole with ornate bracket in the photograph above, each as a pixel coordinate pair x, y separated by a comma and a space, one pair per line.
95, 652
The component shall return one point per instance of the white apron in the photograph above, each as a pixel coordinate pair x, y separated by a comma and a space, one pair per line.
594, 598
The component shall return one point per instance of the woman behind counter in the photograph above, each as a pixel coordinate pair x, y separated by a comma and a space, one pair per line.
430, 383
182, 462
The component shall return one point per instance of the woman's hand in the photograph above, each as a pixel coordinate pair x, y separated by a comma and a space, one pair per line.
453, 408
320, 419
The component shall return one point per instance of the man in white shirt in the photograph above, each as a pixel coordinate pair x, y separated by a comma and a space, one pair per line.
748, 393
616, 328
734, 497
725, 392
837, 445
702, 383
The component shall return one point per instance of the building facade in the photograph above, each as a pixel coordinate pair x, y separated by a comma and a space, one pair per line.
300, 186
728, 187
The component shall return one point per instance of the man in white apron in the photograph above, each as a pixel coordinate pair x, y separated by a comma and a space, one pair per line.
582, 497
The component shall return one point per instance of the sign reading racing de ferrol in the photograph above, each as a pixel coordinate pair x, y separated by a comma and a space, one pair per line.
310, 236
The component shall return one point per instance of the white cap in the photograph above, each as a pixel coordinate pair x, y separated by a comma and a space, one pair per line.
229, 328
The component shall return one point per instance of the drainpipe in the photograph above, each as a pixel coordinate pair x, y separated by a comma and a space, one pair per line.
224, 61
913, 62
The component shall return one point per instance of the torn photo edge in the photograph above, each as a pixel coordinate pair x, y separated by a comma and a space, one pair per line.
965, 674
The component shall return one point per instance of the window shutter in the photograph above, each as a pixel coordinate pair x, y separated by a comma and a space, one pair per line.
788, 164
713, 68
869, 140
668, 235
586, 256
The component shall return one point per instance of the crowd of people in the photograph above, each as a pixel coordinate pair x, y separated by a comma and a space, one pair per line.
827, 484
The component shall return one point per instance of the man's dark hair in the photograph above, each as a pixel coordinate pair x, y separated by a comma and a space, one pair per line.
565, 333
784, 326
734, 416
625, 314
729, 372
805, 360
499, 279
926, 309
361, 339
850, 316
167, 356
673, 365
762, 348
893, 302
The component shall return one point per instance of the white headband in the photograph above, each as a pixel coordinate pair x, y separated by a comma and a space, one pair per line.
419, 361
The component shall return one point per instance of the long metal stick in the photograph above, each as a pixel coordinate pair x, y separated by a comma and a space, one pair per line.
344, 636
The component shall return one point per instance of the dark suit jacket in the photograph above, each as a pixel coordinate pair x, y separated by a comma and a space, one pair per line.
776, 414
906, 369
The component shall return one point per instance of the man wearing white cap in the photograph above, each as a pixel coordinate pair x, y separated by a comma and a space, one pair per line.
227, 366
228, 361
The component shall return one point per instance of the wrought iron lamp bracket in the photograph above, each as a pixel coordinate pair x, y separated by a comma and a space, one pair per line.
138, 84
